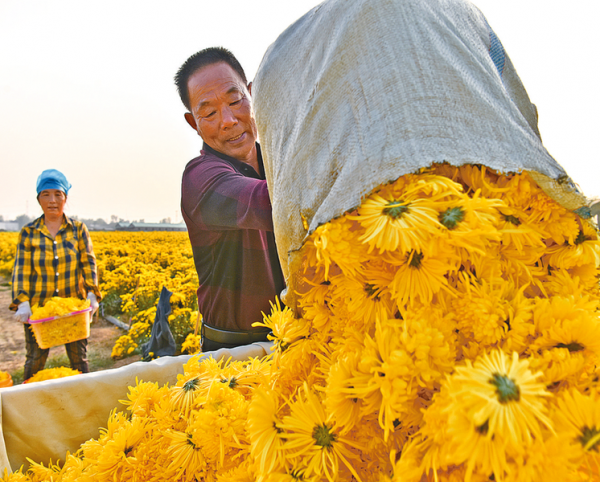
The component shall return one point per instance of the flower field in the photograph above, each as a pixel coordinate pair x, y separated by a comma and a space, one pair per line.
448, 330
132, 268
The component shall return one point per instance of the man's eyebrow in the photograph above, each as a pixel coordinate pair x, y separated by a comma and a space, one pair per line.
230, 91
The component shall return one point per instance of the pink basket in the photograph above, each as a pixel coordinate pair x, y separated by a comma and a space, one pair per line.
58, 330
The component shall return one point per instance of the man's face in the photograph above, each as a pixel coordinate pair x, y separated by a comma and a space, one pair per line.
222, 111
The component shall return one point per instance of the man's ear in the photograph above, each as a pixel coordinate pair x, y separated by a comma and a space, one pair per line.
191, 120
250, 88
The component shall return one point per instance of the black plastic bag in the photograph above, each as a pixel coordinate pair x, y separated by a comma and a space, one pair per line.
161, 341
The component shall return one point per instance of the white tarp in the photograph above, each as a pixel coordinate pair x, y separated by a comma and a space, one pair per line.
44, 420
359, 92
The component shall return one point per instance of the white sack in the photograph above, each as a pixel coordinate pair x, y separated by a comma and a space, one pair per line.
360, 92
44, 420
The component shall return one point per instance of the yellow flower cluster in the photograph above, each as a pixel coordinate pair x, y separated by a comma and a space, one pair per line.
8, 248
195, 430
192, 344
52, 373
448, 329
57, 306
61, 326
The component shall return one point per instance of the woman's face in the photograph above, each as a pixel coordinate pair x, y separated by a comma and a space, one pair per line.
52, 202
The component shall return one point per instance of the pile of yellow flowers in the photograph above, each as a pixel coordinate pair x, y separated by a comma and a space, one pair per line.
61, 325
57, 306
448, 329
52, 373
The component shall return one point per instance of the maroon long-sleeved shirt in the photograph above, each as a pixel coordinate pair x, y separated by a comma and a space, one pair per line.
227, 210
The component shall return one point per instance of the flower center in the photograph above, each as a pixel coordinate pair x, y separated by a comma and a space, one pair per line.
451, 217
323, 436
506, 388
414, 259
572, 347
232, 381
590, 436
190, 442
190, 385
395, 209
512, 219
371, 291
581, 238
297, 474
483, 429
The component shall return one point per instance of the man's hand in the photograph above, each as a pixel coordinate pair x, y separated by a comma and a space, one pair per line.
93, 302
23, 312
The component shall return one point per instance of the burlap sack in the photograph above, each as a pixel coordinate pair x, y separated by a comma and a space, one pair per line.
359, 92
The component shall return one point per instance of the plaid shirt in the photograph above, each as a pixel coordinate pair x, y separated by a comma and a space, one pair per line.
227, 210
44, 267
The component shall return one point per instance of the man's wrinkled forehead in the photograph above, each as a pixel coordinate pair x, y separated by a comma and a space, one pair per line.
214, 79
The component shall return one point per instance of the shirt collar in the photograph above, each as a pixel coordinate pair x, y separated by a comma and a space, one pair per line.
239, 165
40, 224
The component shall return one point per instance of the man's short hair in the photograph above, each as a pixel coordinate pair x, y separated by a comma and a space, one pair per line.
209, 56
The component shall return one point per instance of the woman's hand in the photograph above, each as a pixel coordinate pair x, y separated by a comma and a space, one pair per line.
23, 312
93, 302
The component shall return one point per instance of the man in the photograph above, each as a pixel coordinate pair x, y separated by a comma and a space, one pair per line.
225, 202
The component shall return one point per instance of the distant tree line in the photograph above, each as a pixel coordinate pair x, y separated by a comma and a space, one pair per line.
98, 224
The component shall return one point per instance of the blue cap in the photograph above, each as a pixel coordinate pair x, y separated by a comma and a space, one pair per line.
52, 179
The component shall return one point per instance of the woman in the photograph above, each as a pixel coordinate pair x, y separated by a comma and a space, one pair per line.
54, 258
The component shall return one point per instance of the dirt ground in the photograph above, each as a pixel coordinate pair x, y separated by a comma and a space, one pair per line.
12, 340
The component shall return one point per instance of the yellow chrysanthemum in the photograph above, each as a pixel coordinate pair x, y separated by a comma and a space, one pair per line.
142, 398
114, 460
335, 244
364, 301
578, 419
582, 251
385, 377
392, 223
419, 276
186, 459
264, 432
341, 402
219, 427
470, 222
311, 439
286, 329
502, 395
184, 394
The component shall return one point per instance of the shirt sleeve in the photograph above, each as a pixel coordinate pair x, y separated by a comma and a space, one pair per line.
21, 275
87, 261
217, 197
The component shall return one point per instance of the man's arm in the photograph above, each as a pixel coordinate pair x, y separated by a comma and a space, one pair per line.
216, 197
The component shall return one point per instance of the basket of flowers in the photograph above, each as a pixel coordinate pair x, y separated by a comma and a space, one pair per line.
61, 321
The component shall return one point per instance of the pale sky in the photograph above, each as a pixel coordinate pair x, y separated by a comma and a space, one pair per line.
86, 87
